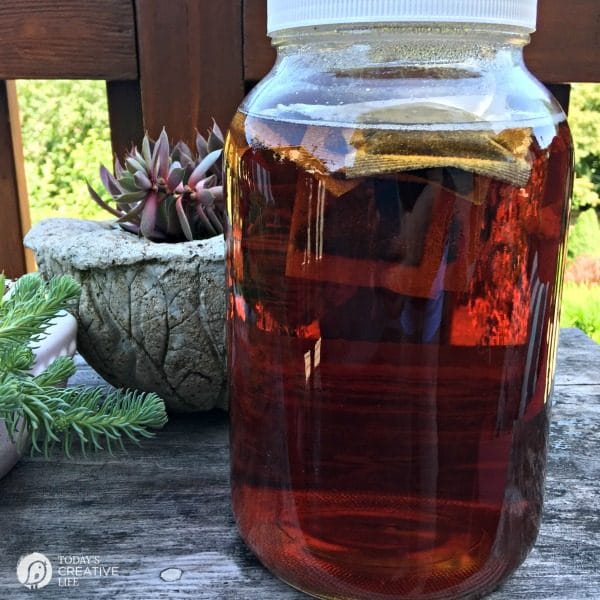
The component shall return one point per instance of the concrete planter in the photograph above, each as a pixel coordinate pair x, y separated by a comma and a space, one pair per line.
151, 316
60, 340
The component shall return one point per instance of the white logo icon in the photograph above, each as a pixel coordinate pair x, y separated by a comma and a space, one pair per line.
34, 571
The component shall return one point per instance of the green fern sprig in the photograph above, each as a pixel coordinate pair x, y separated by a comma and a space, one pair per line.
51, 414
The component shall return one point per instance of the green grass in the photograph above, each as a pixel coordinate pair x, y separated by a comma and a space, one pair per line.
581, 308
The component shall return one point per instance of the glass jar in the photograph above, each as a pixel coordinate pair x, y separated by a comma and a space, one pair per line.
398, 189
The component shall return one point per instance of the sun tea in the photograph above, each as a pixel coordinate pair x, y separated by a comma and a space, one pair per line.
392, 315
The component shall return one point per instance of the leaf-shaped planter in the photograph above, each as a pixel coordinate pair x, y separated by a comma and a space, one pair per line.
151, 316
60, 340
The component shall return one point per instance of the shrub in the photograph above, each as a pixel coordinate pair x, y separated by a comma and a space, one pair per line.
581, 308
583, 269
65, 137
584, 235
584, 118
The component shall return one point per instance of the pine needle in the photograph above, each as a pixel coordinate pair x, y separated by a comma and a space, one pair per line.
53, 415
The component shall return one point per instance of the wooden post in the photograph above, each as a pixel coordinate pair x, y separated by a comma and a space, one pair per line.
14, 261
125, 115
190, 62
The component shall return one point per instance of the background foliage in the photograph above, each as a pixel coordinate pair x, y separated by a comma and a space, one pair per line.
66, 136
584, 117
581, 308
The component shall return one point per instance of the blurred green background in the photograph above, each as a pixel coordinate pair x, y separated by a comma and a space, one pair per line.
66, 136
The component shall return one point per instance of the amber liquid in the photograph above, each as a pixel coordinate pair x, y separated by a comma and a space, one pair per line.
391, 345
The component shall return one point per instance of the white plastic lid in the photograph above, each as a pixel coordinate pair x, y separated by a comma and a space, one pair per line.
288, 14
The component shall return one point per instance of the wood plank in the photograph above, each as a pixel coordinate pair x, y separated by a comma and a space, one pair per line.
565, 48
19, 161
190, 56
166, 505
68, 39
12, 256
259, 55
125, 115
566, 45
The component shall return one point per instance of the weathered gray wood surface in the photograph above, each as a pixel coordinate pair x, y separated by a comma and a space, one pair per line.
166, 506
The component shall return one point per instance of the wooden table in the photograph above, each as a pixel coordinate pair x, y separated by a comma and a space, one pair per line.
158, 520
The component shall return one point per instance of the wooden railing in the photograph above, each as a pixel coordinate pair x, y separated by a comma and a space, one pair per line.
180, 62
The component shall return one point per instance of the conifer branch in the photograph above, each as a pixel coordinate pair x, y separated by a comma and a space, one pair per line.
51, 414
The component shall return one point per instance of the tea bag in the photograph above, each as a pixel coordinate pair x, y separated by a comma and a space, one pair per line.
409, 138
500, 156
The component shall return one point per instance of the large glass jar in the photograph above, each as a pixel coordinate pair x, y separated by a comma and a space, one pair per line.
398, 190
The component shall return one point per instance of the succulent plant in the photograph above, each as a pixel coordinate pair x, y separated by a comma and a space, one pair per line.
168, 193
